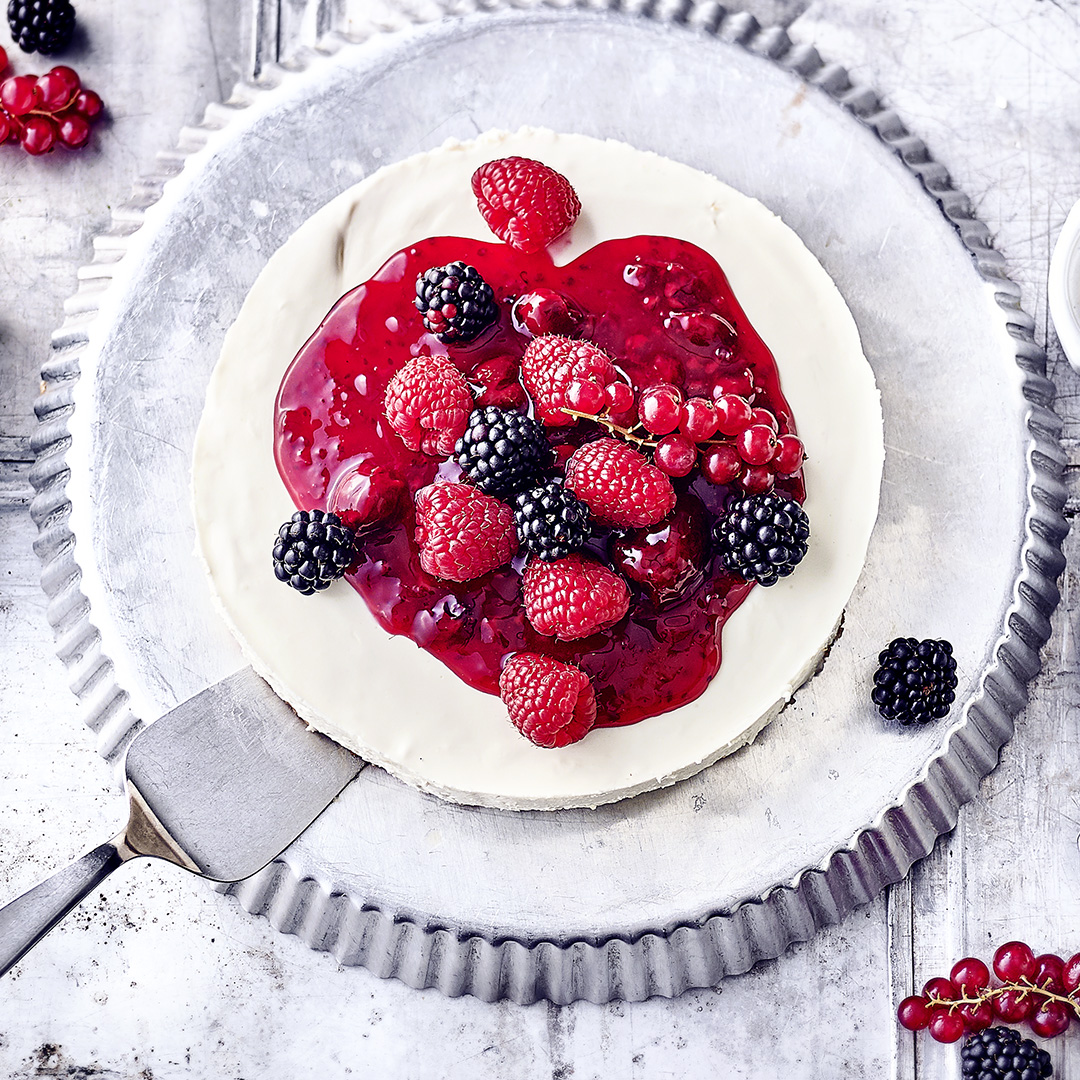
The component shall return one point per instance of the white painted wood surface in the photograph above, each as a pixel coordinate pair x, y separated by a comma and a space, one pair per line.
160, 977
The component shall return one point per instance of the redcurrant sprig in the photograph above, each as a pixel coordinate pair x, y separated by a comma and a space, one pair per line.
43, 111
1043, 990
734, 441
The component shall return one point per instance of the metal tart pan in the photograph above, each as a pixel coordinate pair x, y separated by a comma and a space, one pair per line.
677, 888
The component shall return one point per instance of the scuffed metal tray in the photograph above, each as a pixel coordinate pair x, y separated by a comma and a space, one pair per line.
676, 888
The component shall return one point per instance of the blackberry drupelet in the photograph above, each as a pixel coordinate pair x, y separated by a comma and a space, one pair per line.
1000, 1054
762, 537
456, 302
503, 451
312, 550
915, 681
43, 26
551, 521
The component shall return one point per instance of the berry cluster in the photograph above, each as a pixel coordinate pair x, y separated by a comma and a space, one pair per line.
42, 112
915, 681
312, 550
726, 435
457, 304
763, 537
555, 507
1000, 1054
1043, 990
43, 26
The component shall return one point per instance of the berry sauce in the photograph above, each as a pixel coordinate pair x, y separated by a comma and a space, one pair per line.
664, 310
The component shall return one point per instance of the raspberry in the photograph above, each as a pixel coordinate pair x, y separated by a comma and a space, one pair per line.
550, 703
619, 484
550, 366
43, 26
544, 311
572, 598
526, 204
503, 451
499, 381
428, 404
456, 302
667, 559
915, 682
762, 537
367, 497
312, 550
461, 532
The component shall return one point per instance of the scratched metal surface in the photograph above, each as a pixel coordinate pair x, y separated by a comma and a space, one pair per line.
616, 903
1003, 129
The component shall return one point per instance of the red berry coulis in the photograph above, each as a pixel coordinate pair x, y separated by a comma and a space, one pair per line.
664, 310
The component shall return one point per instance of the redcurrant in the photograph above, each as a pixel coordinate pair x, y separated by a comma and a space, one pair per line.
659, 407
88, 104
620, 396
1070, 975
1014, 1005
1014, 961
19, 94
1050, 1019
756, 480
721, 464
586, 397
946, 1026
544, 311
675, 455
74, 130
733, 414
756, 444
914, 1013
740, 384
698, 419
55, 91
38, 135
970, 975
977, 1017
788, 458
766, 418
940, 988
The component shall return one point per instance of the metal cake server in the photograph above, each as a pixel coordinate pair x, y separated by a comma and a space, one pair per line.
219, 786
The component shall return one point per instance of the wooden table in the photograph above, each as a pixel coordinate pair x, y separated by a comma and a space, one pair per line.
158, 976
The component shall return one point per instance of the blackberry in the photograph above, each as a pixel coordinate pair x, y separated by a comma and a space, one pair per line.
551, 521
503, 451
456, 302
43, 26
1000, 1054
762, 537
915, 681
312, 550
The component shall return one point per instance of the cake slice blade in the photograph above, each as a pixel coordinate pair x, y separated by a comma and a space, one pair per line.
219, 786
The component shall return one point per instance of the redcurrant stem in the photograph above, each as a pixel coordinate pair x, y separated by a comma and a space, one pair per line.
626, 433
990, 993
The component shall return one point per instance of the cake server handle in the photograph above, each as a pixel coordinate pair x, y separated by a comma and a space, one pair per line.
27, 919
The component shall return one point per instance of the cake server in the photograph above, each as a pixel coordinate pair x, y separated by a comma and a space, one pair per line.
219, 786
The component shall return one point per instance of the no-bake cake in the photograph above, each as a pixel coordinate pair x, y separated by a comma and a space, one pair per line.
673, 279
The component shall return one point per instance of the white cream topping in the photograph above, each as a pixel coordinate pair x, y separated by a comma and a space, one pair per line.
395, 704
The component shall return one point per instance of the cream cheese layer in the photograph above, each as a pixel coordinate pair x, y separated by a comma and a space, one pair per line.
395, 704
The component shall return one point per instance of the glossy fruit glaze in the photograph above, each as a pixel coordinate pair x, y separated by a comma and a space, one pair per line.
664, 310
